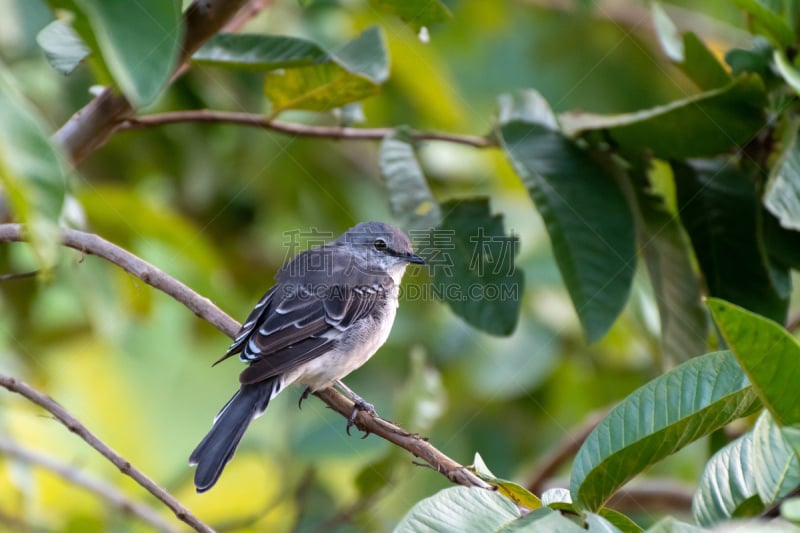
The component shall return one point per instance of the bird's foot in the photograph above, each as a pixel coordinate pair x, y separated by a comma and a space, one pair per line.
303, 396
359, 404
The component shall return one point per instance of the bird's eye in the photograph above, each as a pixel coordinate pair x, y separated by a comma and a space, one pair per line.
380, 245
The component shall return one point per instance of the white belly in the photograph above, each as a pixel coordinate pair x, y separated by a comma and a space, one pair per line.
360, 342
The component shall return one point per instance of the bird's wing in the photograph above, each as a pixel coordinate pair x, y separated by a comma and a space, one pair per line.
299, 325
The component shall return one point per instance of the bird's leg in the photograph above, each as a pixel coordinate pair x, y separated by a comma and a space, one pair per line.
303, 396
359, 405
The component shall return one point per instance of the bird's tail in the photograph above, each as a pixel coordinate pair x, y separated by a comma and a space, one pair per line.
217, 448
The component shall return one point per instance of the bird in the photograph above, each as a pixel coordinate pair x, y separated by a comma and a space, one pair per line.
330, 309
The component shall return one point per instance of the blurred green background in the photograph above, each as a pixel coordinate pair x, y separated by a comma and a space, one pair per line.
214, 205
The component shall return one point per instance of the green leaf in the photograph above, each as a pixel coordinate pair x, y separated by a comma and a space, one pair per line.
475, 271
513, 491
658, 419
702, 124
718, 205
767, 22
776, 467
138, 41
416, 13
618, 520
259, 52
689, 53
352, 73
589, 221
670, 525
782, 197
543, 519
598, 523
62, 46
677, 290
410, 198
33, 172
459, 509
727, 482
767, 353
701, 65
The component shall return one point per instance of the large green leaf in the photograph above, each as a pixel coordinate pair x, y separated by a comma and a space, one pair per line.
62, 46
460, 509
768, 354
727, 485
689, 53
776, 468
671, 525
410, 198
33, 173
719, 209
658, 419
702, 124
416, 13
138, 41
676, 286
782, 197
474, 268
589, 221
259, 52
353, 72
543, 519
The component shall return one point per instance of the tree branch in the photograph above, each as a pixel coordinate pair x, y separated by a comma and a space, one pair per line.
76, 477
300, 130
204, 308
90, 127
75, 426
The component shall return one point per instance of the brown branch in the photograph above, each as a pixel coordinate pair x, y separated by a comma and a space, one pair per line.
565, 449
76, 477
204, 308
75, 426
300, 130
90, 127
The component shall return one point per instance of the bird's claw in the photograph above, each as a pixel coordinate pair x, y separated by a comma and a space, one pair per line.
303, 396
359, 405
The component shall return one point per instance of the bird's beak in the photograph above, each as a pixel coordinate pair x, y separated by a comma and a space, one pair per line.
414, 258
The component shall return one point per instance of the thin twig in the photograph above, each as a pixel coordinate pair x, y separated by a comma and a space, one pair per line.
561, 453
75, 426
300, 130
204, 308
76, 477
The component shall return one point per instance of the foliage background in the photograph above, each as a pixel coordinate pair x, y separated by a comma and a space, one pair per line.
211, 205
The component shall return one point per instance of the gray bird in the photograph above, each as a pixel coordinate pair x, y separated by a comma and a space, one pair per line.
329, 311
